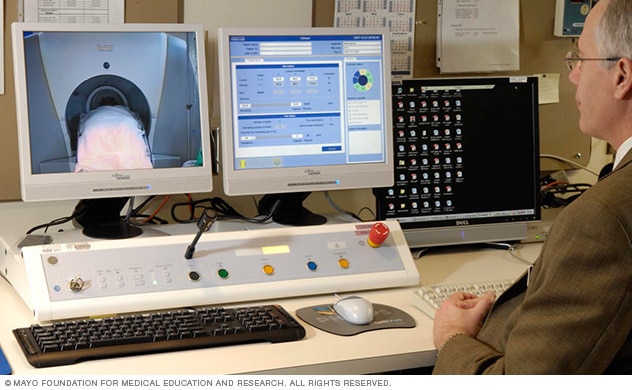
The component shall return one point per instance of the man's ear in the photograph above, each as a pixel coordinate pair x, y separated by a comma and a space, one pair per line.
623, 86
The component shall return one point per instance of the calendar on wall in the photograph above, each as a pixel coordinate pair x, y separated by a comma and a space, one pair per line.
397, 15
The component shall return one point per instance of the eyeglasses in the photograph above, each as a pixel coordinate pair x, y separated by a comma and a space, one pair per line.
573, 60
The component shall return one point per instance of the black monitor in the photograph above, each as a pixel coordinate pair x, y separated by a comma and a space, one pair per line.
466, 155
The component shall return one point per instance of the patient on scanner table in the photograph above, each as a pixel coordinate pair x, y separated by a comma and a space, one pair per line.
110, 138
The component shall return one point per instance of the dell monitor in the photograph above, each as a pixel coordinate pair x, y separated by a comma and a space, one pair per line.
466, 156
302, 110
110, 111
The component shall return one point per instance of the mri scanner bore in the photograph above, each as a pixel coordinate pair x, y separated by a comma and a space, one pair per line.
101, 107
111, 137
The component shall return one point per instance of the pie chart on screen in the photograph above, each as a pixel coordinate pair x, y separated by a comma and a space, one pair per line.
362, 80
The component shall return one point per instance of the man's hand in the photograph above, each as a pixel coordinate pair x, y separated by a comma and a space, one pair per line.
461, 313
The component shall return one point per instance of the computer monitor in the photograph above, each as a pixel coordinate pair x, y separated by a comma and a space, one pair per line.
466, 160
106, 112
302, 110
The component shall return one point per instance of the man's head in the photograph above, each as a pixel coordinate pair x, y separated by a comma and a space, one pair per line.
604, 78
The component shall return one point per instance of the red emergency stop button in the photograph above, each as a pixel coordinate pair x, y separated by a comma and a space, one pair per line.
379, 232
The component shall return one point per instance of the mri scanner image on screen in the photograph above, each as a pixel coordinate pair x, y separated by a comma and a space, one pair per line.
101, 101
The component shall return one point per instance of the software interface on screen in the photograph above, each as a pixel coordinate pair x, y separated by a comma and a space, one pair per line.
304, 110
304, 101
466, 155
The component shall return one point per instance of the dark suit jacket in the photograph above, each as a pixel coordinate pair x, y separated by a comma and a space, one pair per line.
575, 316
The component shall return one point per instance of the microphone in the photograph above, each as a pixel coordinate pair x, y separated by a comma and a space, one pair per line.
204, 223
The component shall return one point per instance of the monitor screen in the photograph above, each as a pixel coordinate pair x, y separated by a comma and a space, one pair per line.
111, 111
466, 156
304, 109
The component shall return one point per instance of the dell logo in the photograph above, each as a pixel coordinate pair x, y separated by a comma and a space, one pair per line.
462, 223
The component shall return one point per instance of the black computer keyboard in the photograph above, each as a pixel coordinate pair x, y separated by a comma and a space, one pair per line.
68, 342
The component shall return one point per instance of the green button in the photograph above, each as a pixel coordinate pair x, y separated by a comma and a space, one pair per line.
222, 273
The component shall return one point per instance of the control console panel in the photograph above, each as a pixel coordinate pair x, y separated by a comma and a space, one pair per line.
90, 278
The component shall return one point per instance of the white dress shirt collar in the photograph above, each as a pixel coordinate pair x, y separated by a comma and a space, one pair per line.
622, 151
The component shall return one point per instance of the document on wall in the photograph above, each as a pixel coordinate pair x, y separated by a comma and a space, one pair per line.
397, 15
478, 36
75, 11
548, 88
1, 47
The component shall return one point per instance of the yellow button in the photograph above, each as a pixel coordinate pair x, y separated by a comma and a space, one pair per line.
268, 269
343, 263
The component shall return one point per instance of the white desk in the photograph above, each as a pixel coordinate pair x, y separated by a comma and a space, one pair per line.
318, 353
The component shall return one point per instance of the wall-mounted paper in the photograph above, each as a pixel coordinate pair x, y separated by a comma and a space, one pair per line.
548, 88
61, 11
478, 36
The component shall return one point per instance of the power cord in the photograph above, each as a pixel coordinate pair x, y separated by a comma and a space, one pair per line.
569, 162
223, 210
556, 194
77, 213
346, 212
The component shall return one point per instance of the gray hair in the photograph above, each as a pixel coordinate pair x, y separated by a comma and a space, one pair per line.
613, 32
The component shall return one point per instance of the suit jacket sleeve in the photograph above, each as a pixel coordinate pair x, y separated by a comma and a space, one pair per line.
575, 315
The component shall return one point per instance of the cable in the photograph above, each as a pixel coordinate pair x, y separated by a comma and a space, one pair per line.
222, 208
191, 207
569, 162
367, 209
130, 210
346, 212
549, 192
58, 221
153, 215
512, 251
338, 209
142, 205
553, 184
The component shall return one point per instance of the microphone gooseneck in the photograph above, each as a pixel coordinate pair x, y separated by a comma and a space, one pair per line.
204, 223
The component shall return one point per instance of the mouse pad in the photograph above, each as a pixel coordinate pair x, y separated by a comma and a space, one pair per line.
325, 318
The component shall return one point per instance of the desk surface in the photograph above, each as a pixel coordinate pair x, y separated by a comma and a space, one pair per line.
319, 352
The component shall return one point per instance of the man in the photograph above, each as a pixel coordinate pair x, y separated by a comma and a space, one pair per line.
575, 316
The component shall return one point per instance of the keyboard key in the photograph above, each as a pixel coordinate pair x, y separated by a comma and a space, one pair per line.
429, 298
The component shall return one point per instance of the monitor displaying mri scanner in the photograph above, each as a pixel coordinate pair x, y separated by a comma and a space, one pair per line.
111, 111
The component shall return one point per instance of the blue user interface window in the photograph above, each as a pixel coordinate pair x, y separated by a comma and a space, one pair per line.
307, 100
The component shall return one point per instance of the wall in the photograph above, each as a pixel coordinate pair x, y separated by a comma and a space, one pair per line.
9, 174
540, 52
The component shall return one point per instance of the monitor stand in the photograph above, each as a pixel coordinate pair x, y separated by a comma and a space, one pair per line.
289, 209
101, 218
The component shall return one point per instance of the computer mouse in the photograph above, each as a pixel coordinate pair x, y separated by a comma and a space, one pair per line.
355, 310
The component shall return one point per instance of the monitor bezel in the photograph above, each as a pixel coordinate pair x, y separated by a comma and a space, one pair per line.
309, 178
113, 183
483, 230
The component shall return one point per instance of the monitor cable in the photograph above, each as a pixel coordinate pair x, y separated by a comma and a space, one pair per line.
223, 210
77, 213
347, 212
